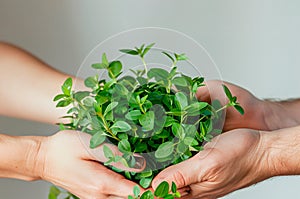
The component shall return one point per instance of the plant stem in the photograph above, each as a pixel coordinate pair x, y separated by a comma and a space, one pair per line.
143, 60
107, 127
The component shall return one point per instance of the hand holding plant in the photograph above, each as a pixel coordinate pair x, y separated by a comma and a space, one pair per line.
154, 113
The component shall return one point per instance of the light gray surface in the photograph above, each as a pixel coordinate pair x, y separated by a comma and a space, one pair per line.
254, 43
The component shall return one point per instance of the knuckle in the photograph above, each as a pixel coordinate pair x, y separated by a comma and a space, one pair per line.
179, 179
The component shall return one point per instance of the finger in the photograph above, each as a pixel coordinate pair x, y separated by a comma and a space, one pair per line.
212, 90
97, 154
112, 183
182, 174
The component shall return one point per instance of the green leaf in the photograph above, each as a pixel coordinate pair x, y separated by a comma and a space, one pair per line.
158, 74
110, 107
91, 82
180, 81
178, 130
145, 182
64, 103
162, 190
227, 92
136, 191
182, 99
147, 49
115, 69
67, 86
108, 152
239, 109
147, 120
195, 108
140, 147
99, 66
78, 96
180, 57
173, 188
147, 195
97, 139
129, 51
54, 192
121, 126
133, 115
164, 150
58, 97
104, 60
124, 146
169, 56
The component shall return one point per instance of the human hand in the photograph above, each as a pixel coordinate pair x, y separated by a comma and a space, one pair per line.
69, 163
231, 161
258, 113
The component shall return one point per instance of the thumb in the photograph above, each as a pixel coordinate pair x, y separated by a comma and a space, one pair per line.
182, 174
98, 154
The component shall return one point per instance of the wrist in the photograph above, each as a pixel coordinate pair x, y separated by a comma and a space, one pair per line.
281, 150
278, 115
20, 155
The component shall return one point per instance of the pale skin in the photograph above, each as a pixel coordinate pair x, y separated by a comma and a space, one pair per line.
27, 87
242, 156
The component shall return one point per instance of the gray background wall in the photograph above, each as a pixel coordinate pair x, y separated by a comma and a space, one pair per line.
254, 43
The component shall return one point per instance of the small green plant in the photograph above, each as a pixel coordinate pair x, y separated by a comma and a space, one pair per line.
153, 112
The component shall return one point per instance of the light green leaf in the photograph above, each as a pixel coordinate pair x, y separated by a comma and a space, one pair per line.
121, 126
115, 69
180, 81
182, 99
108, 152
124, 146
164, 150
67, 86
110, 107
147, 120
129, 51
133, 115
97, 139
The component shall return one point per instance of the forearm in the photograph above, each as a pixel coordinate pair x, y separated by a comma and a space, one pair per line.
27, 86
281, 150
282, 114
18, 157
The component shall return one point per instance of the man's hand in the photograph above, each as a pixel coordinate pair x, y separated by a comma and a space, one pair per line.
231, 161
66, 160
259, 114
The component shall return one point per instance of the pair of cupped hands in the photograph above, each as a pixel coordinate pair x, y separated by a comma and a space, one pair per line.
230, 162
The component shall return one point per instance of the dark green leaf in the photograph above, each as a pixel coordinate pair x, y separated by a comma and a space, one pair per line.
147, 195
227, 92
140, 147
91, 82
58, 97
173, 188
169, 56
129, 51
239, 109
147, 49
64, 103
115, 69
162, 190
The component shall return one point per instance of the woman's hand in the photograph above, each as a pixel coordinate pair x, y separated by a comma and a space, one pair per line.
66, 160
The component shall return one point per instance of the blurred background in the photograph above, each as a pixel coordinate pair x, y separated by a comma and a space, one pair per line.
255, 44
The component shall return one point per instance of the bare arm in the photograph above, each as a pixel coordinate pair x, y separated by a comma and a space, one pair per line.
27, 86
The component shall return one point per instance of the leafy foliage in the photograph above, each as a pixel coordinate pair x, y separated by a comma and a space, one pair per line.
154, 113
